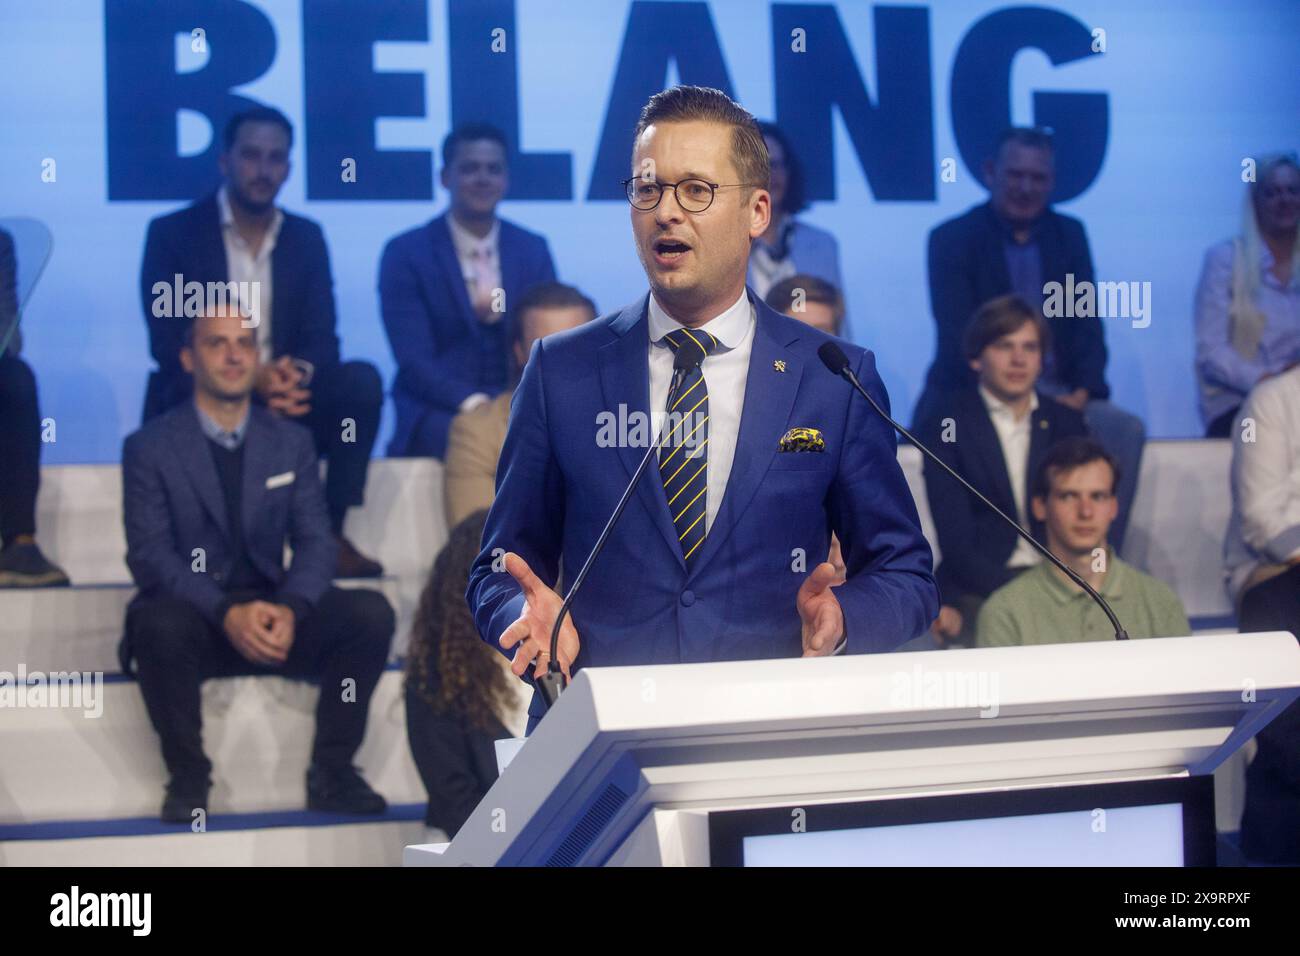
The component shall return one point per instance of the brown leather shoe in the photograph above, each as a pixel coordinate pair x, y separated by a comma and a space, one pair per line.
353, 564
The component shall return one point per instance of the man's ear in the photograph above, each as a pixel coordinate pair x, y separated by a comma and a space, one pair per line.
223, 164
760, 213
187, 359
1039, 507
976, 365
443, 176
989, 174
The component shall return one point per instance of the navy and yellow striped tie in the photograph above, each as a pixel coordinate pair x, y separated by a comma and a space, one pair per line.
684, 457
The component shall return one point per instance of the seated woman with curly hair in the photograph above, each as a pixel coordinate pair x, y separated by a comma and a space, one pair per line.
460, 694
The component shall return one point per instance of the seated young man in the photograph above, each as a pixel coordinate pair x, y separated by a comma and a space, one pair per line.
1074, 497
212, 491
994, 434
469, 480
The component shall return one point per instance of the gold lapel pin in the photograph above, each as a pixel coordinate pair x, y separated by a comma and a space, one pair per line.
779, 365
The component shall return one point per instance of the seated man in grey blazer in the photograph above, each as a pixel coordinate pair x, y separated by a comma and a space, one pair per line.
212, 491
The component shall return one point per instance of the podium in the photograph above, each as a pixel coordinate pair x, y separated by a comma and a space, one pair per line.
1067, 754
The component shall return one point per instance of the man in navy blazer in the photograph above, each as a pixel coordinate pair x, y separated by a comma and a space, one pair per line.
279, 260
725, 576
447, 289
1017, 243
213, 490
994, 434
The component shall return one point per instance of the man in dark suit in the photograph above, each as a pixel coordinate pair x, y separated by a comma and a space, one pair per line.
447, 290
1016, 243
711, 561
280, 262
22, 565
212, 491
994, 434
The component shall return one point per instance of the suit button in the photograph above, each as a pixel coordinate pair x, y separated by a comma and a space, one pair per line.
688, 598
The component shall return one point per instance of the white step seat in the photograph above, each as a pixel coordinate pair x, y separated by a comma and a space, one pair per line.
62, 764
78, 628
338, 844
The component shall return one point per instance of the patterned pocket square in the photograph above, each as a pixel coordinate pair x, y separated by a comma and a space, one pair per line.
802, 439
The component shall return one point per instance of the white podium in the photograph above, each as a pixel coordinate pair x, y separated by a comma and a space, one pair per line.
1075, 754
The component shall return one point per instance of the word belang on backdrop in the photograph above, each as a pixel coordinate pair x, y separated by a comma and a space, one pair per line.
164, 59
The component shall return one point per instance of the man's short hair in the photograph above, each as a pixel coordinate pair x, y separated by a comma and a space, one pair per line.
1067, 455
468, 133
553, 295
1032, 137
781, 296
258, 114
684, 104
1001, 316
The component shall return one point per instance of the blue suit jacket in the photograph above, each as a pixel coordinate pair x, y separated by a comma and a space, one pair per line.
640, 605
172, 503
189, 242
444, 353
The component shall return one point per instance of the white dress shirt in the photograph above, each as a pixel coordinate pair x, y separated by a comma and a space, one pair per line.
725, 371
475, 255
1265, 527
469, 248
1014, 435
242, 265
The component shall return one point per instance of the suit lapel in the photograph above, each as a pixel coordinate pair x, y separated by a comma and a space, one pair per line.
210, 245
988, 453
768, 401
995, 254
444, 253
196, 460
625, 383
257, 468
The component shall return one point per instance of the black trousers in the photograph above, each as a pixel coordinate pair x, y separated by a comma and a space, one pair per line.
346, 638
457, 761
1270, 825
348, 390
20, 448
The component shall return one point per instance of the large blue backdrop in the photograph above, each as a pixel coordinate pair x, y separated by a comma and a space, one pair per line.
109, 112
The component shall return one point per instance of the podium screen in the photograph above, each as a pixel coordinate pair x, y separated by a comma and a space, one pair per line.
1152, 823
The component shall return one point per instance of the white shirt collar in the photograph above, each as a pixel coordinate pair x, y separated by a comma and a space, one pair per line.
466, 242
998, 408
228, 220
729, 327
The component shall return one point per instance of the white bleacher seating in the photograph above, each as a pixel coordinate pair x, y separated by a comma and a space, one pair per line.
258, 730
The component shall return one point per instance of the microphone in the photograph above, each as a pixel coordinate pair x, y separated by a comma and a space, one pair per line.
833, 358
551, 683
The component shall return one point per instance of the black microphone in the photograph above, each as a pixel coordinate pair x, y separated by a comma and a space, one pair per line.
551, 683
833, 358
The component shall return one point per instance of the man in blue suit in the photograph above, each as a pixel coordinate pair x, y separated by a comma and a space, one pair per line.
238, 235
447, 289
212, 492
709, 562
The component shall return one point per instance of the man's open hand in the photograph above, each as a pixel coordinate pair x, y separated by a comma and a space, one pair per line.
820, 612
532, 632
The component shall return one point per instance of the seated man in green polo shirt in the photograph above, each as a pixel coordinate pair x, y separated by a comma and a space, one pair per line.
1074, 496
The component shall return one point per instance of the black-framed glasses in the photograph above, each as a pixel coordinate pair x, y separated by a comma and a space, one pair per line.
693, 195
